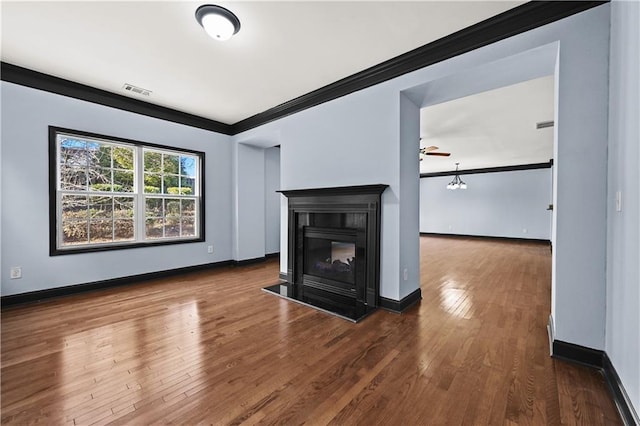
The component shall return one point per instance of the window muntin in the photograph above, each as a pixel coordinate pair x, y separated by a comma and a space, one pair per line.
96, 219
172, 212
112, 193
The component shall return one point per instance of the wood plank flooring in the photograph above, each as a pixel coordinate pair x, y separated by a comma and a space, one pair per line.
212, 348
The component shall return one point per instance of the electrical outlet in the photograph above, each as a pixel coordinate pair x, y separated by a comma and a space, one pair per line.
405, 274
524, 230
16, 272
209, 249
618, 201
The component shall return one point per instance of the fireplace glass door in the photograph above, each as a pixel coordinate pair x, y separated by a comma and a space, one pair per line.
330, 259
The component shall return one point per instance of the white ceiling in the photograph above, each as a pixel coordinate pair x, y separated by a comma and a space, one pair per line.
283, 50
491, 129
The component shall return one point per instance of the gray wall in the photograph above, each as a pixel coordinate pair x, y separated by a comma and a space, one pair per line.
26, 115
249, 202
256, 205
350, 141
358, 139
623, 248
505, 204
272, 199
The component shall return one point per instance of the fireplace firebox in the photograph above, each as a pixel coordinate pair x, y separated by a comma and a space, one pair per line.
333, 258
330, 259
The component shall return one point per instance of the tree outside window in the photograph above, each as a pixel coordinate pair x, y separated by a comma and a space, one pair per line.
106, 196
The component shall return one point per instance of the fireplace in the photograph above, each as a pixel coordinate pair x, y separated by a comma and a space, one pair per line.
333, 259
330, 256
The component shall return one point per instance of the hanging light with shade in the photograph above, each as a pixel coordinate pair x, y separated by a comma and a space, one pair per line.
457, 182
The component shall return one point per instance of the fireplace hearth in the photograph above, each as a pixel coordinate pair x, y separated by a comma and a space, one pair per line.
333, 258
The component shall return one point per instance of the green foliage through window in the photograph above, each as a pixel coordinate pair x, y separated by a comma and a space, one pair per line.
99, 185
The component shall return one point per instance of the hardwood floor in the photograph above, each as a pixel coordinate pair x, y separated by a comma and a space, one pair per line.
211, 347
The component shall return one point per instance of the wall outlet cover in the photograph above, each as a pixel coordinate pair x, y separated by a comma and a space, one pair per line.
16, 272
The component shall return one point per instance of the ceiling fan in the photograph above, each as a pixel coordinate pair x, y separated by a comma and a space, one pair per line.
433, 150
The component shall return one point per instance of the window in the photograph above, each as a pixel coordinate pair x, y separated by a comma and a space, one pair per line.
110, 193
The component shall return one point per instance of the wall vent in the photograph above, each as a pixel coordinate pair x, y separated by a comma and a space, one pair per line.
137, 90
544, 124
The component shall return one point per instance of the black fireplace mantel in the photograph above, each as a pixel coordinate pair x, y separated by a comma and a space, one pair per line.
376, 189
348, 214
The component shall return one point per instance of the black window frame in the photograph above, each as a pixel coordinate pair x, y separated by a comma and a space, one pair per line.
54, 250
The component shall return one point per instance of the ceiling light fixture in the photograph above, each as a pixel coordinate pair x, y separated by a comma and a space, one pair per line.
457, 182
218, 22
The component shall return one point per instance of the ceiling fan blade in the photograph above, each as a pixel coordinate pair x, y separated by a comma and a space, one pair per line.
440, 154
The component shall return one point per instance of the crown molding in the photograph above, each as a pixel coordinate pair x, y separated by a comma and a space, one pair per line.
37, 80
518, 167
507, 24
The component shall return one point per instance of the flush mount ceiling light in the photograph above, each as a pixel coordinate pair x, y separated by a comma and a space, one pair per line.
218, 22
457, 182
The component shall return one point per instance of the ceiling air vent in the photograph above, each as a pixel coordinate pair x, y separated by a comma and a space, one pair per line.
135, 89
544, 124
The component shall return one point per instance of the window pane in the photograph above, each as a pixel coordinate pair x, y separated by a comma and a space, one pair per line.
153, 228
123, 230
74, 219
123, 207
73, 178
73, 157
100, 155
122, 181
171, 185
187, 185
172, 227
100, 179
152, 161
74, 207
171, 164
188, 208
152, 183
123, 158
101, 207
100, 231
153, 207
75, 232
73, 152
188, 166
172, 217
188, 227
172, 206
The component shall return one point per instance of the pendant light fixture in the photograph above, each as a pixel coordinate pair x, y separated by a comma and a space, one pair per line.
457, 182
218, 22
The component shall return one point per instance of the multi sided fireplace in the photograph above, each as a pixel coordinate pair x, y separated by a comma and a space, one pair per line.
330, 258
333, 258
